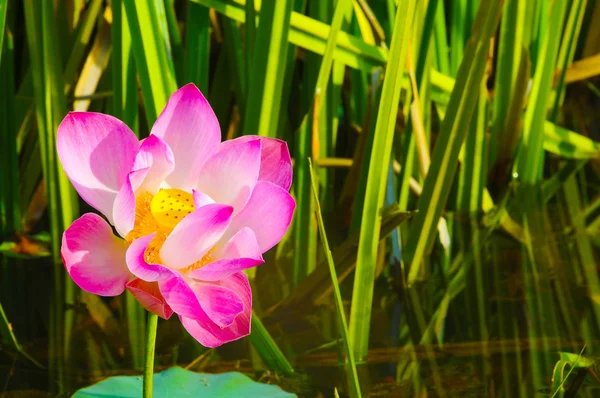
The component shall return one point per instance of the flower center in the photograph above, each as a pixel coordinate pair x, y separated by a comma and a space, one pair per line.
160, 213
169, 206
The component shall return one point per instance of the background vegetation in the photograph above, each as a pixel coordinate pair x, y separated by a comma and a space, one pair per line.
476, 120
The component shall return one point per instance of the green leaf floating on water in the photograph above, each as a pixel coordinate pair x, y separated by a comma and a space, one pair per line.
181, 383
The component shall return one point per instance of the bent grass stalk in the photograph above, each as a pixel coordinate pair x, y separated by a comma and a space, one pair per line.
339, 304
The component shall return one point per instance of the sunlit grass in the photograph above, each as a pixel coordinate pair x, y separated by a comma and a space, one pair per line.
483, 113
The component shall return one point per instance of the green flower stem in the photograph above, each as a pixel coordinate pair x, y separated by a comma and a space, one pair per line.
149, 365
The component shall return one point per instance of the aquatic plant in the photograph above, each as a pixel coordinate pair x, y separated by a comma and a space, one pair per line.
191, 213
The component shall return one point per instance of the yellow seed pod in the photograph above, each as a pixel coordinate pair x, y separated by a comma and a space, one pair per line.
169, 206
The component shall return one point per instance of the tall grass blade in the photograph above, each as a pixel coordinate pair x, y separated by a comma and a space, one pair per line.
125, 108
266, 82
175, 41
3, 10
62, 205
362, 298
531, 154
268, 349
10, 211
339, 304
453, 130
149, 41
197, 49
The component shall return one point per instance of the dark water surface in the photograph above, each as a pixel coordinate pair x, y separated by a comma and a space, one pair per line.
490, 323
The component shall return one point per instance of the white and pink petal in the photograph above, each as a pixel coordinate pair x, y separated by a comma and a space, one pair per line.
94, 257
208, 333
124, 204
149, 296
138, 266
239, 253
195, 235
157, 156
190, 128
275, 163
97, 152
180, 297
221, 304
201, 199
230, 175
268, 213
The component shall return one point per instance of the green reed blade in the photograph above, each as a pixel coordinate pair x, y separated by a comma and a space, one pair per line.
197, 48
25, 109
236, 62
544, 323
341, 9
362, 297
569, 144
175, 40
441, 40
62, 204
3, 9
94, 67
472, 178
81, 38
508, 65
305, 226
268, 69
124, 73
311, 34
250, 35
126, 109
10, 210
268, 349
531, 155
339, 304
149, 41
567, 51
219, 95
9, 339
459, 32
453, 130
316, 129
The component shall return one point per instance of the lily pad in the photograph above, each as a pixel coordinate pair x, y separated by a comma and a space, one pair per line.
178, 382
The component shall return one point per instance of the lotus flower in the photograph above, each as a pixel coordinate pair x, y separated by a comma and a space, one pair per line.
192, 213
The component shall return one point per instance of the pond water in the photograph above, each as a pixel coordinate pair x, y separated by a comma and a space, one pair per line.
492, 322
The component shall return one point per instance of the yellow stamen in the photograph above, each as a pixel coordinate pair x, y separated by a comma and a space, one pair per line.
152, 253
160, 213
207, 259
144, 224
169, 206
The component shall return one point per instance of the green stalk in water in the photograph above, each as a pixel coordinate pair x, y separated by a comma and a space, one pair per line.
149, 365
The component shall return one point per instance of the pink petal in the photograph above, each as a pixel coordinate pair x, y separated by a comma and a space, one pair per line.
201, 199
268, 213
275, 163
94, 257
241, 252
138, 265
230, 175
97, 152
195, 235
155, 154
208, 333
149, 296
189, 126
221, 304
180, 297
124, 205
